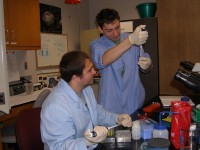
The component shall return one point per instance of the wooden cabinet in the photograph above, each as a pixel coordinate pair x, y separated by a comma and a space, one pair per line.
22, 24
17, 109
178, 33
14, 112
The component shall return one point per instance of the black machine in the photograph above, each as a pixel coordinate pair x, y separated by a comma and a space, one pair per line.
16, 88
190, 79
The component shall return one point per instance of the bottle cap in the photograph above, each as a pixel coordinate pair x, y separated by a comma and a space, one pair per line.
185, 99
159, 127
193, 126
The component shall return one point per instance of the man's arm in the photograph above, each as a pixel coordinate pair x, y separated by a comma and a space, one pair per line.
135, 38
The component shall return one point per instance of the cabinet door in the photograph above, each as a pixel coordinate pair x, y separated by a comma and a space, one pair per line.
22, 21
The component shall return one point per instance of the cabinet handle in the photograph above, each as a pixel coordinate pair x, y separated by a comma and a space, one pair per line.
12, 41
7, 37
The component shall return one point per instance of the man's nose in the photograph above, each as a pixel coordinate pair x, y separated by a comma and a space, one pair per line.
94, 71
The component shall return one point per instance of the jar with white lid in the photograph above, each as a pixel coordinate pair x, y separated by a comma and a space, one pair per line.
160, 131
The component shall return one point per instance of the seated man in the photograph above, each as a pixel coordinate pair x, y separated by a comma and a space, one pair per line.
71, 112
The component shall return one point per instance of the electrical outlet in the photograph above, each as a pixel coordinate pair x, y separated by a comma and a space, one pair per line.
2, 98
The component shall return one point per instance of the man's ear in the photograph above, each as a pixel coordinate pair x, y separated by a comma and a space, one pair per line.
75, 78
100, 30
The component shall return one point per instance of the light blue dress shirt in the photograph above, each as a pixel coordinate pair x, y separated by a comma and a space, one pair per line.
64, 118
121, 90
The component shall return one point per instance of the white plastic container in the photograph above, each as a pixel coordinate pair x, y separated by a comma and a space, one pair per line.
160, 131
136, 130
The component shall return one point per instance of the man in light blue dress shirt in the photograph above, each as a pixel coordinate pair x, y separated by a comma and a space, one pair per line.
119, 59
71, 112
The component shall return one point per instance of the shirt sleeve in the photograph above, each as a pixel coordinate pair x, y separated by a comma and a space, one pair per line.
102, 116
105, 118
97, 51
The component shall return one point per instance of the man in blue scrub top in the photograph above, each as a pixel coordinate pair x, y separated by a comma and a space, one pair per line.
118, 58
71, 112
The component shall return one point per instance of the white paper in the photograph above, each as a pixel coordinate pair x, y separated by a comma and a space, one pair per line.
126, 26
13, 70
166, 100
196, 67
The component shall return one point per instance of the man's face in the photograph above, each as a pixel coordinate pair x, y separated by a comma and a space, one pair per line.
112, 30
88, 73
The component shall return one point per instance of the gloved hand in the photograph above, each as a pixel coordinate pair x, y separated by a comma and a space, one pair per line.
125, 120
138, 37
101, 132
144, 62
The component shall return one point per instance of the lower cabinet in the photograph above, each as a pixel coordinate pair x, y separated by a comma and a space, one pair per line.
11, 117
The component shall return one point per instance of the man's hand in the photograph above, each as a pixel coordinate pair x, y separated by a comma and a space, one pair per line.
144, 62
125, 120
101, 133
138, 37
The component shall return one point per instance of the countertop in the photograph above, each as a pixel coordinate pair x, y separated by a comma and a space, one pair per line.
24, 98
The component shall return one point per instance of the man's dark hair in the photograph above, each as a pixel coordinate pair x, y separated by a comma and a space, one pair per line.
72, 63
106, 15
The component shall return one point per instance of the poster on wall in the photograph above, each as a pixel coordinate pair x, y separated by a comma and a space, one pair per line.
53, 47
50, 19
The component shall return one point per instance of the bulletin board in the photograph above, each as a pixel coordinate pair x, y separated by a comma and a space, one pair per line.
53, 46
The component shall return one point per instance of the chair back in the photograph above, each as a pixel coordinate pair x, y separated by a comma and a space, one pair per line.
41, 98
28, 130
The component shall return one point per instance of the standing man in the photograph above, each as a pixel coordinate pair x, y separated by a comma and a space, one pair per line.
71, 112
117, 56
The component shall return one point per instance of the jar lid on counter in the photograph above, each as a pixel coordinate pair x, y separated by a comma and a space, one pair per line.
158, 143
160, 127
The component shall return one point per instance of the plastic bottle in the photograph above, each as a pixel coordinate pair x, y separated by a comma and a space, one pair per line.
160, 131
136, 130
193, 139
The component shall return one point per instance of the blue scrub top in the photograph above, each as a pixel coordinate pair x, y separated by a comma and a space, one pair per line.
121, 90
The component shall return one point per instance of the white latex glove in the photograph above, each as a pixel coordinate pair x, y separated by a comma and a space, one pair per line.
125, 120
138, 37
101, 132
144, 62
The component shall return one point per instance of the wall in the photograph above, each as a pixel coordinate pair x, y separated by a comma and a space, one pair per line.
126, 8
76, 18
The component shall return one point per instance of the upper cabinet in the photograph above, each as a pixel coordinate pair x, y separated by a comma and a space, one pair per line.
22, 24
